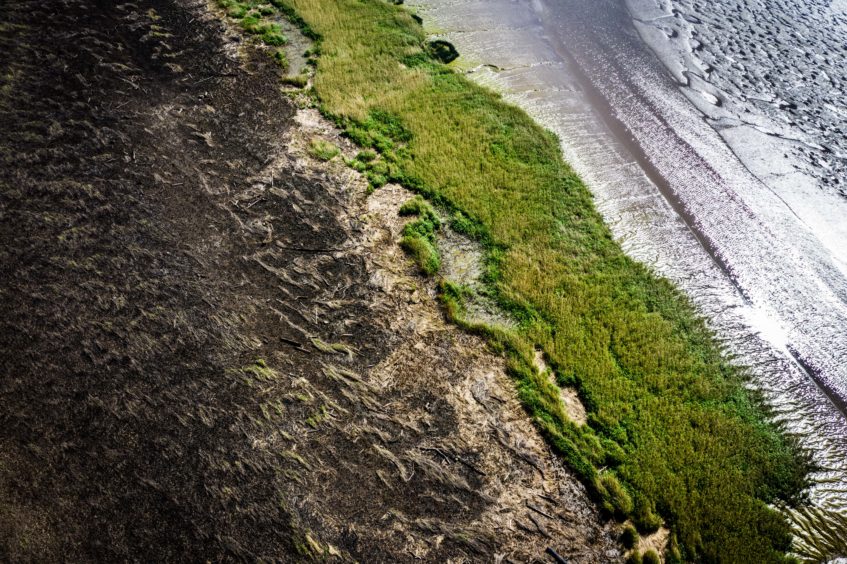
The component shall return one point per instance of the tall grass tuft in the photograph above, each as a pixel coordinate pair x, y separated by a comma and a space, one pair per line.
419, 235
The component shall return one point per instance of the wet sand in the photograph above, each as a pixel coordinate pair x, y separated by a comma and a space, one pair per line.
767, 276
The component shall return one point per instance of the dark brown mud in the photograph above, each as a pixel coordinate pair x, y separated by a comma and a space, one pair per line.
174, 273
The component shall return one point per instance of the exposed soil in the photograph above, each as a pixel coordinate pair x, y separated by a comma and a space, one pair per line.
211, 346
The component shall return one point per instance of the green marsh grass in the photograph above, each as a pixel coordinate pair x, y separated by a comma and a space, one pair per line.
650, 557
672, 432
419, 235
629, 537
323, 150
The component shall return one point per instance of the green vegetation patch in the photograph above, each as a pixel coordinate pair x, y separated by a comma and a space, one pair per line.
671, 425
255, 18
298, 81
281, 59
629, 537
651, 557
419, 235
378, 166
323, 150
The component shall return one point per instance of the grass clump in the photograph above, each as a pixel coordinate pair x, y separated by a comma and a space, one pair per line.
298, 81
629, 537
651, 557
634, 558
644, 515
366, 156
323, 150
281, 59
261, 371
254, 18
616, 499
377, 168
318, 417
272, 35
670, 419
421, 208
423, 252
419, 235
333, 348
672, 553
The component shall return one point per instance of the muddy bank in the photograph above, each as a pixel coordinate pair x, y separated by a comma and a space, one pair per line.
212, 347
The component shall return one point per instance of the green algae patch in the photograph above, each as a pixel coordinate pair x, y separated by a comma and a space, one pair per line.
672, 433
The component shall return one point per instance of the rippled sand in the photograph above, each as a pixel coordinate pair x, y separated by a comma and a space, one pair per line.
761, 255
774, 65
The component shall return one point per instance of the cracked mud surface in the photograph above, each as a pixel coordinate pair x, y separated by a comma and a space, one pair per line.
174, 271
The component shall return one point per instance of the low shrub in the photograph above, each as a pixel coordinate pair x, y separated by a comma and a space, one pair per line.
272, 35
366, 156
644, 516
420, 207
419, 235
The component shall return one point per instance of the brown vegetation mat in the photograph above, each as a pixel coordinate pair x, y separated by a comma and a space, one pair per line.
211, 347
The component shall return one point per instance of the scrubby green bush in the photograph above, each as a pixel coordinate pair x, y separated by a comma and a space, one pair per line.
272, 35
365, 156
420, 207
644, 515
253, 17
251, 22
672, 552
419, 235
375, 179
234, 9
